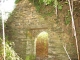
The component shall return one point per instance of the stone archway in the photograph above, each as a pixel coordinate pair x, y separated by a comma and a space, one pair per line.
42, 45
26, 23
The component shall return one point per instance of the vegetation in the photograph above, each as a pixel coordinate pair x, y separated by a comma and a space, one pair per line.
1, 48
42, 37
53, 7
67, 18
10, 53
0, 23
17, 1
30, 57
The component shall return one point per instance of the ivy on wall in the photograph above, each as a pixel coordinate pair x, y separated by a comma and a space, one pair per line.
17, 1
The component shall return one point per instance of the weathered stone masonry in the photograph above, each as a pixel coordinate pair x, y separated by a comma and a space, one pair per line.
24, 26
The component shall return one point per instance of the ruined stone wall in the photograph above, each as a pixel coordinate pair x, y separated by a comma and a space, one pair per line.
26, 23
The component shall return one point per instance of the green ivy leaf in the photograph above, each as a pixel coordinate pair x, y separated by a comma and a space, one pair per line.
46, 2
60, 7
55, 3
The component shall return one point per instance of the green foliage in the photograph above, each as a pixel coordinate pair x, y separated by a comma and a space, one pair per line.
43, 37
0, 40
66, 2
37, 8
37, 3
0, 23
10, 53
1, 47
60, 6
0, 19
30, 57
46, 2
17, 1
55, 3
67, 18
40, 1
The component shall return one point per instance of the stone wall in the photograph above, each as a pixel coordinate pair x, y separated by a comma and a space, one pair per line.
26, 23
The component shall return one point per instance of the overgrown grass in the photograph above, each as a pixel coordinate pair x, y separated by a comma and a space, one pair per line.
10, 53
30, 57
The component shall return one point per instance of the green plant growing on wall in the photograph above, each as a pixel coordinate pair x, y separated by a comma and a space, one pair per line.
0, 23
43, 37
67, 18
30, 57
17, 1
1, 47
10, 53
46, 2
60, 6
66, 2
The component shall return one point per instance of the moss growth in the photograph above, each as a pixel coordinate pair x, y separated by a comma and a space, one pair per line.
42, 37
30, 57
67, 18
42, 45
